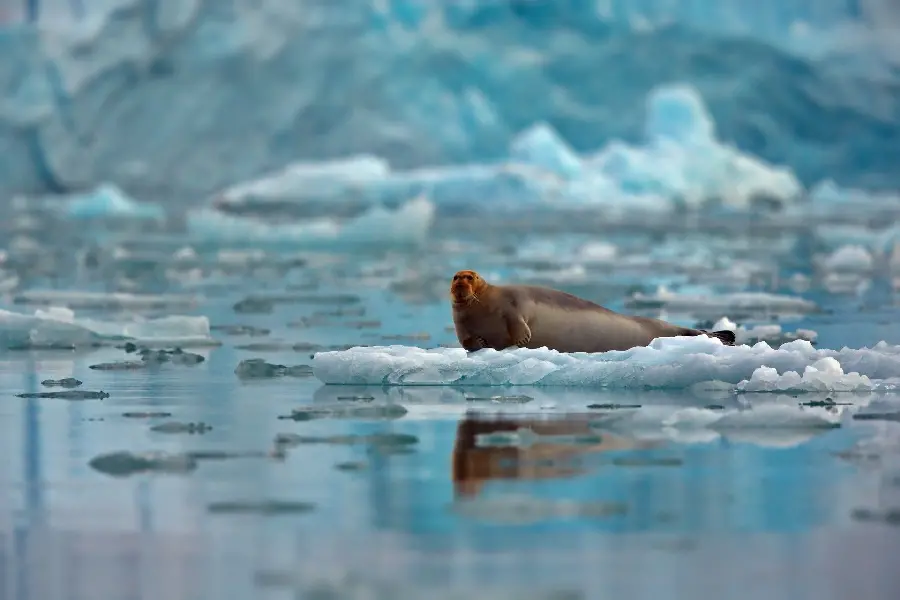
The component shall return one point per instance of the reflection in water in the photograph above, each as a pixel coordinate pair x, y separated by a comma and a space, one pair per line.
492, 490
549, 455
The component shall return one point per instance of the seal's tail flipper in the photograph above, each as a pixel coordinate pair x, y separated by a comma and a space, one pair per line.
727, 337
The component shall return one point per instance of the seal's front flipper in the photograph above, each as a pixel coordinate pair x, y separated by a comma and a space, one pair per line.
519, 332
473, 343
727, 337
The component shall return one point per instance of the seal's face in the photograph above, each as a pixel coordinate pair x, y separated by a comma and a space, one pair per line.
465, 286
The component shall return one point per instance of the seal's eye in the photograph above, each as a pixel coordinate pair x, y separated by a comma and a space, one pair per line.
456, 278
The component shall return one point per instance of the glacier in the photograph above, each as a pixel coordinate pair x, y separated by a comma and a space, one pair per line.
181, 98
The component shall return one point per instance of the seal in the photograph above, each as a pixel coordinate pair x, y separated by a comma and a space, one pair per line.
526, 316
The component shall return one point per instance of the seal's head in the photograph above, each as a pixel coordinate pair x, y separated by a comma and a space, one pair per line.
466, 287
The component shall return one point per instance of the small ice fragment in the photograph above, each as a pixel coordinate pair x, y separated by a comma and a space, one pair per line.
68, 382
123, 464
67, 395
258, 368
176, 427
266, 507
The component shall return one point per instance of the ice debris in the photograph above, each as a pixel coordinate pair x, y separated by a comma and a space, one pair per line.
57, 327
67, 395
825, 375
739, 301
108, 201
66, 382
178, 427
667, 363
408, 224
376, 412
105, 300
848, 259
263, 507
258, 368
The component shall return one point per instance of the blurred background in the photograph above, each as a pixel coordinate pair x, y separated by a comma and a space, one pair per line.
264, 180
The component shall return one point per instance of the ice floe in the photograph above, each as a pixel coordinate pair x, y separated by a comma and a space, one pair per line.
825, 375
407, 224
58, 327
105, 300
108, 201
667, 363
739, 301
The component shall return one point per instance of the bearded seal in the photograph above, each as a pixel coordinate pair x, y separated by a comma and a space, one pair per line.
503, 316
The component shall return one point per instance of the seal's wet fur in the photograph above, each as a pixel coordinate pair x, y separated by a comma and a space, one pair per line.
503, 316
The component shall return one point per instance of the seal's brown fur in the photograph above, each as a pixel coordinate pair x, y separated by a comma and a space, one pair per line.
502, 316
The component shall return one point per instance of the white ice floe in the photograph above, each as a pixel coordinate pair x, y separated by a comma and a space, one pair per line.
305, 182
825, 375
747, 301
667, 363
848, 259
58, 327
105, 300
408, 224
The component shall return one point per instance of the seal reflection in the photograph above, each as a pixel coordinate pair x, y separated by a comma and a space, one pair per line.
474, 464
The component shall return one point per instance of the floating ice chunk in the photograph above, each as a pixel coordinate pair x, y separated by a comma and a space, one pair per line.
408, 224
725, 324
307, 182
748, 301
104, 300
8, 281
540, 145
825, 375
489, 186
58, 327
849, 259
108, 201
598, 252
672, 363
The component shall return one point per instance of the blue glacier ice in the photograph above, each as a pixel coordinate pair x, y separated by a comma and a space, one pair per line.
679, 163
178, 98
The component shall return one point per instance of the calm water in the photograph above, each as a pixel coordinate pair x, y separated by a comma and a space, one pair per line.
772, 515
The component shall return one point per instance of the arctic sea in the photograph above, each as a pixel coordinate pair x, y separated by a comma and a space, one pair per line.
227, 359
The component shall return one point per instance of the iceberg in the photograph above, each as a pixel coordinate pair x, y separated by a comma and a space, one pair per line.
681, 164
407, 225
191, 97
58, 328
667, 363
